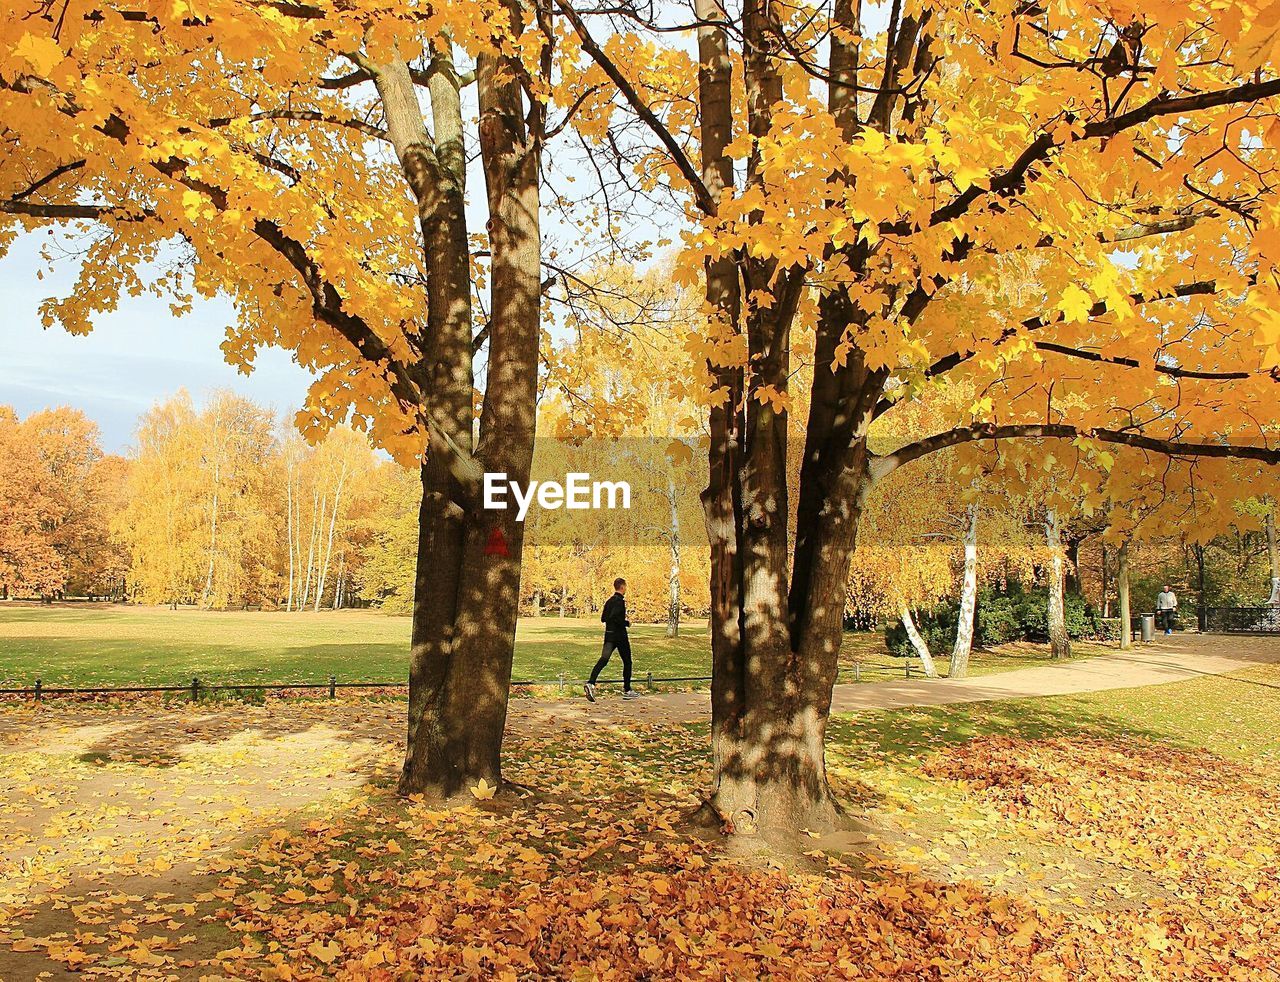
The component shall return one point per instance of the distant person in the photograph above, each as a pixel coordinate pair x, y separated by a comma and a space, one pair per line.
1166, 608
614, 617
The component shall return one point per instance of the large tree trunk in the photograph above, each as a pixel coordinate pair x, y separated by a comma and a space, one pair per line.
1122, 587
777, 619
1059, 640
918, 643
467, 591
443, 755
968, 600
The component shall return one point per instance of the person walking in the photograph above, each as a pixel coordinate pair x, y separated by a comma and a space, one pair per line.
614, 617
1166, 608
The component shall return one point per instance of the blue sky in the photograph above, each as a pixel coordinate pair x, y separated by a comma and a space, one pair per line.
133, 357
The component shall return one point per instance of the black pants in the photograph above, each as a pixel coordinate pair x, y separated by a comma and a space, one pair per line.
1164, 620
623, 646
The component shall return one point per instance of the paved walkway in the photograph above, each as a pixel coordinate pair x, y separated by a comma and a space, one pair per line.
1175, 660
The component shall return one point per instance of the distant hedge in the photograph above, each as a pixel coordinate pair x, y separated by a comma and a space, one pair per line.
1012, 615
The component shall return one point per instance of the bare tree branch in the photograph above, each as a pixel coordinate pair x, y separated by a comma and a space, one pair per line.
702, 196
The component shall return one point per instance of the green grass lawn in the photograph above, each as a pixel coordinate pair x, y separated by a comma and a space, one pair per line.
105, 645
1236, 716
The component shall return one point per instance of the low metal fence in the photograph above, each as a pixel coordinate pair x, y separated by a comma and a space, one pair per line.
197, 687
1242, 620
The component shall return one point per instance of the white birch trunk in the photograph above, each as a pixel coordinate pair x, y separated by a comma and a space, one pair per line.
673, 582
340, 582
317, 519
968, 600
918, 643
333, 523
213, 538
288, 503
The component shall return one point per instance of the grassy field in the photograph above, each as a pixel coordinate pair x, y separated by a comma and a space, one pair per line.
1235, 716
103, 645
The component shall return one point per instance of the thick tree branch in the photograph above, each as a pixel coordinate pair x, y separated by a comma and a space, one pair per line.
93, 213
948, 362
48, 179
1170, 370
881, 466
346, 81
306, 115
1011, 180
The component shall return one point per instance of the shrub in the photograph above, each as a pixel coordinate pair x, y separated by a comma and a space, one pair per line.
996, 620
1014, 615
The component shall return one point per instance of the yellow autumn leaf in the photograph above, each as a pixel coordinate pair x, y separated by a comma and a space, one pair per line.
41, 53
483, 790
1075, 304
326, 951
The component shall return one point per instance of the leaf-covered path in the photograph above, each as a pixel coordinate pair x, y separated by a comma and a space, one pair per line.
1176, 659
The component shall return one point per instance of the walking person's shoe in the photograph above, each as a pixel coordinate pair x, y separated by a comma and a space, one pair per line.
631, 694
590, 690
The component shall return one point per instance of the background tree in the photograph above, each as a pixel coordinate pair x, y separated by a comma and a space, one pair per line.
29, 563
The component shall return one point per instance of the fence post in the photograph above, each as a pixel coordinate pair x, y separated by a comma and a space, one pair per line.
857, 671
561, 679
906, 665
648, 680
333, 685
39, 686
195, 689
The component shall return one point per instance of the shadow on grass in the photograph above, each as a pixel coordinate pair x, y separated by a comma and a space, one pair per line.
899, 736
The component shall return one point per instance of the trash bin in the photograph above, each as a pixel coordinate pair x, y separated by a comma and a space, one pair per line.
1148, 627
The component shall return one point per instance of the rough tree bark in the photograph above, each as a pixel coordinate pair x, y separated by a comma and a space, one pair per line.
968, 600
466, 594
1059, 639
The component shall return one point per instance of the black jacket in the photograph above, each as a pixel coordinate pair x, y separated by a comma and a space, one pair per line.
614, 617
